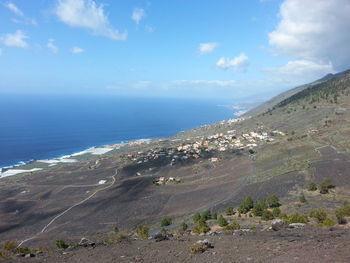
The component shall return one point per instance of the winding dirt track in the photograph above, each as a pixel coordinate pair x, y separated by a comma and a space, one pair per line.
70, 208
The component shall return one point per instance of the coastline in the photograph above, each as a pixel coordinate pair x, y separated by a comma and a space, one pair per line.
65, 159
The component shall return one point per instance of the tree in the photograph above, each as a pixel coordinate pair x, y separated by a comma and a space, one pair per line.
200, 227
215, 216
259, 207
326, 185
267, 215
206, 215
61, 244
222, 221
246, 205
276, 212
166, 222
273, 201
229, 210
196, 217
184, 226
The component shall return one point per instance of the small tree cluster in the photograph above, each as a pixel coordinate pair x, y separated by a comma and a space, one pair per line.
311, 187
246, 205
229, 210
200, 227
222, 221
320, 215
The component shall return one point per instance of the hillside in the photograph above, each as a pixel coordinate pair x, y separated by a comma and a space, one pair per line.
279, 148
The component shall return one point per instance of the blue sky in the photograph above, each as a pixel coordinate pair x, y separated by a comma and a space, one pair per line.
198, 48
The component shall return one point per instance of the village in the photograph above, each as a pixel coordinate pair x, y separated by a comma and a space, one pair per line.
208, 147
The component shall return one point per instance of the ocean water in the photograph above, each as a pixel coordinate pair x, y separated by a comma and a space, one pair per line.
43, 127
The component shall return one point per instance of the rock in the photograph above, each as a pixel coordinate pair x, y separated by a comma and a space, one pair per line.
84, 242
296, 225
29, 255
20, 255
278, 224
205, 242
160, 237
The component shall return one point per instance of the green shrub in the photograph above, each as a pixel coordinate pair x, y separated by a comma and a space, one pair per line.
198, 248
259, 207
206, 215
232, 226
10, 246
229, 210
61, 244
142, 232
267, 215
302, 199
325, 186
296, 218
184, 226
341, 213
273, 201
222, 221
319, 214
215, 216
328, 222
276, 212
311, 187
196, 217
166, 222
246, 205
200, 227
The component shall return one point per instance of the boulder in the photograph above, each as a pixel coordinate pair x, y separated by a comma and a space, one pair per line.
278, 224
205, 242
84, 242
160, 237
296, 225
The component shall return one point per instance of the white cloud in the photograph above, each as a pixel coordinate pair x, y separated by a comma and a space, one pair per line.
316, 30
206, 48
149, 29
0, 52
300, 71
218, 83
50, 45
138, 14
239, 63
77, 50
14, 8
16, 39
87, 14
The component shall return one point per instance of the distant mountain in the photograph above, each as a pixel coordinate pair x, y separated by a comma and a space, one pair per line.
282, 98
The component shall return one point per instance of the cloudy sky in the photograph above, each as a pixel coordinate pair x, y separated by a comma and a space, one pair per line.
182, 48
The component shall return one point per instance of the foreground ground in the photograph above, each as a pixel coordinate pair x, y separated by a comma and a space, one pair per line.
289, 245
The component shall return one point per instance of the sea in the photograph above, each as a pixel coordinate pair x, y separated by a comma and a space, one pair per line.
35, 127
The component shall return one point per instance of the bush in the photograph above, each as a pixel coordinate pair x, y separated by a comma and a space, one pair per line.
61, 244
196, 217
296, 218
184, 226
117, 237
276, 212
328, 222
246, 205
198, 248
311, 187
166, 222
222, 221
200, 227
341, 213
142, 232
267, 215
229, 210
273, 201
206, 215
302, 199
215, 216
259, 207
325, 186
232, 226
319, 214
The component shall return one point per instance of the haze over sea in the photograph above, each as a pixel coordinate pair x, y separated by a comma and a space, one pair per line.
34, 127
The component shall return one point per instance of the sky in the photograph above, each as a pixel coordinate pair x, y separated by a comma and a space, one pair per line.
161, 48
